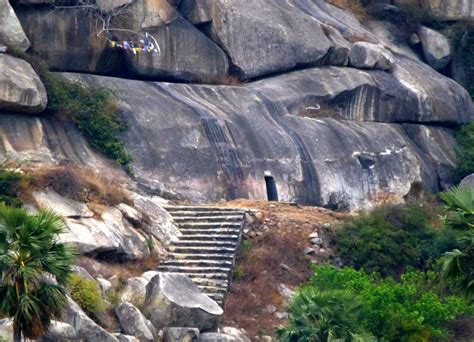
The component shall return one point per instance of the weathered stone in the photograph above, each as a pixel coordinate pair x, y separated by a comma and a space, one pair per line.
6, 329
135, 288
131, 214
371, 56
105, 286
82, 272
217, 337
21, 89
11, 32
444, 10
126, 338
85, 327
436, 47
110, 5
239, 334
110, 235
309, 250
133, 322
161, 225
180, 334
66, 207
468, 181
173, 300
60, 331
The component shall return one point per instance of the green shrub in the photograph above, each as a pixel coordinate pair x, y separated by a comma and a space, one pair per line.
9, 180
91, 109
464, 152
86, 293
391, 238
415, 309
330, 315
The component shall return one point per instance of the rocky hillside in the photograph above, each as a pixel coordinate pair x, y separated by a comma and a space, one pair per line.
320, 102
339, 113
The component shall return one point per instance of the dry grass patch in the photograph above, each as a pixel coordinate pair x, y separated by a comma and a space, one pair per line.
320, 111
355, 6
80, 184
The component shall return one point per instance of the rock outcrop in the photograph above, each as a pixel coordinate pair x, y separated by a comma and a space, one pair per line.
134, 323
21, 89
11, 31
444, 10
173, 300
436, 48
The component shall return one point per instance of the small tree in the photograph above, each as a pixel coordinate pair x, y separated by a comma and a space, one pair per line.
458, 264
34, 268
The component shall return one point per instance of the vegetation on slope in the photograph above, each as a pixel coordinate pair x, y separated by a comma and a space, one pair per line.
92, 109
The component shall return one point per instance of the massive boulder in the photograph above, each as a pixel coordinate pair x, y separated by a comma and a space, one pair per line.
444, 10
173, 300
134, 323
370, 56
21, 89
436, 47
11, 31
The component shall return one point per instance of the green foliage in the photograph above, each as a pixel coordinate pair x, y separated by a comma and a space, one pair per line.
29, 254
114, 298
391, 238
329, 315
93, 112
91, 109
415, 309
459, 263
464, 152
8, 182
86, 293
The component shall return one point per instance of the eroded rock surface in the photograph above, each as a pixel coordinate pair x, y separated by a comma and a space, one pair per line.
11, 31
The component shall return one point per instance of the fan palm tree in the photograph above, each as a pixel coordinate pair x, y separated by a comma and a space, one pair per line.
325, 316
34, 267
458, 265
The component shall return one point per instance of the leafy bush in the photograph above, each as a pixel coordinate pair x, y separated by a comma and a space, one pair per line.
415, 309
93, 112
86, 293
91, 109
332, 315
9, 181
464, 152
391, 238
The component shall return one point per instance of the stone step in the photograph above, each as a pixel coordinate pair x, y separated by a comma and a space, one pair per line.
210, 275
191, 231
194, 270
211, 289
204, 225
217, 297
210, 282
201, 249
198, 263
215, 218
200, 256
217, 244
178, 208
178, 214
209, 237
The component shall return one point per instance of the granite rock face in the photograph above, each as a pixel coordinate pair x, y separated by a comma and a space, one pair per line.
11, 31
174, 300
436, 47
444, 10
21, 89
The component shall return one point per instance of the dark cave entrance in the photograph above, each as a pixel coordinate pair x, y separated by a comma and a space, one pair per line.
272, 194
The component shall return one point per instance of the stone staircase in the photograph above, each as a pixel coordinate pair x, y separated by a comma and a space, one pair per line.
208, 246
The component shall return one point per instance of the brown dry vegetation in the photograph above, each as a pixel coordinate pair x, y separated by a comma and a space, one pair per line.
80, 184
320, 111
274, 258
355, 6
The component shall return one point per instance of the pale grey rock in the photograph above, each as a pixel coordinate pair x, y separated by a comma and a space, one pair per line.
135, 288
239, 334
114, 281
173, 300
339, 53
196, 12
60, 331
217, 337
443, 10
436, 47
11, 31
131, 214
468, 181
161, 226
6, 329
82, 272
180, 334
66, 207
365, 55
133, 322
105, 286
109, 235
21, 89
85, 327
309, 250
111, 5
126, 338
